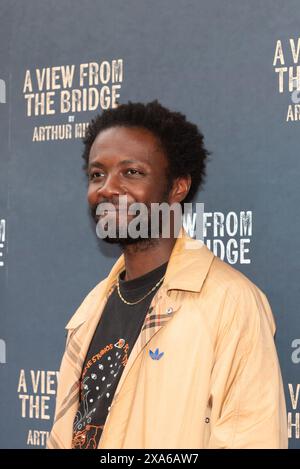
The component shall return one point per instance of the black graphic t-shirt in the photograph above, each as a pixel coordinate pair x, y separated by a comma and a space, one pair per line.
114, 338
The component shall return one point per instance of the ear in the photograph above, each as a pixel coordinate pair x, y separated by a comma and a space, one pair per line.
180, 188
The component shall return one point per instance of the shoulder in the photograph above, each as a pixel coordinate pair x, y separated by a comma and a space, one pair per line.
240, 300
226, 280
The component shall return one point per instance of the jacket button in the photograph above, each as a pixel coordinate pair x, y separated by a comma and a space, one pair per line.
207, 420
169, 310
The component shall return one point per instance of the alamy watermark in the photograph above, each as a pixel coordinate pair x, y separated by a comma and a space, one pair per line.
2, 351
2, 240
142, 221
295, 94
2, 91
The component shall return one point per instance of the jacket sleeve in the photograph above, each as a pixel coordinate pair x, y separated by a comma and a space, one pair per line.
247, 398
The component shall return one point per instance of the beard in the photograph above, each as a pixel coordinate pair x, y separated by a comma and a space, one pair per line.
124, 239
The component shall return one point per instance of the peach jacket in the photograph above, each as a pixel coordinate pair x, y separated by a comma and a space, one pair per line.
218, 383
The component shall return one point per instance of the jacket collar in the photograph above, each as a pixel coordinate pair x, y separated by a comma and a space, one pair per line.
187, 268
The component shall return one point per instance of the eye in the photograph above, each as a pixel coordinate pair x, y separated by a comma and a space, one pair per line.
133, 172
95, 175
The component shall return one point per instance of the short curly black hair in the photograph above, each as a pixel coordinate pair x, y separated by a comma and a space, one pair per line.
182, 141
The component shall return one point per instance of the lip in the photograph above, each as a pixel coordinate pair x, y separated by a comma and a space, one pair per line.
109, 212
104, 212
112, 208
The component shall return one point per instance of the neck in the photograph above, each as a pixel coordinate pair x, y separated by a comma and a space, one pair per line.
143, 257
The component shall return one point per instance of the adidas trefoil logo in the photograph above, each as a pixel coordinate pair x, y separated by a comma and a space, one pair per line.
156, 355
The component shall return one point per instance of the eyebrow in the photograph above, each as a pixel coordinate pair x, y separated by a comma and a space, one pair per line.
96, 164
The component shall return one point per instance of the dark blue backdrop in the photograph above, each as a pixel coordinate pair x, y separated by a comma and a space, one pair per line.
218, 62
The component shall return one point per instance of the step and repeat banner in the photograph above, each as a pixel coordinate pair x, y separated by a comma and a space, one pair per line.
234, 69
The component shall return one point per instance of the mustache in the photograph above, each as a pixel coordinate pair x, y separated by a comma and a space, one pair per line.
115, 202
118, 201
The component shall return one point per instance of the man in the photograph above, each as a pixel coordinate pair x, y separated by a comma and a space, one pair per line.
174, 349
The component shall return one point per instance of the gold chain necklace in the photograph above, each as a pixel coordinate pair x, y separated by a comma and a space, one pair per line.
141, 299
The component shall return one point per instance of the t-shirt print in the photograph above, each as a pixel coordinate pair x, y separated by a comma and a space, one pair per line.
98, 383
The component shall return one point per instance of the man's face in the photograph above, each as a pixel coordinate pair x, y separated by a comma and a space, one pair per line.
126, 161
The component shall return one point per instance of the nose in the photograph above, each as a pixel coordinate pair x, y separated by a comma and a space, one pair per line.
110, 187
